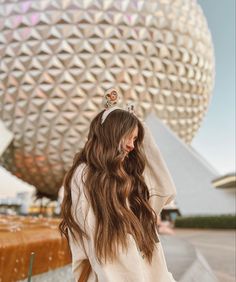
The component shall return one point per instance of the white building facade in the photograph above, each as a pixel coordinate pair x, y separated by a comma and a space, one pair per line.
192, 175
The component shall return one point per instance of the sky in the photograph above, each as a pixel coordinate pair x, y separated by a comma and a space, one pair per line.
215, 140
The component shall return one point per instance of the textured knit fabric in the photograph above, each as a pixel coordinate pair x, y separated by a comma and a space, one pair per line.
129, 266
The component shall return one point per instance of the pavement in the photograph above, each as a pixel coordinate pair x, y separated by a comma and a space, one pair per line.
217, 246
185, 262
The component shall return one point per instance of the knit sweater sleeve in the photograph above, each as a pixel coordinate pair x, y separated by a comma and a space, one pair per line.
157, 176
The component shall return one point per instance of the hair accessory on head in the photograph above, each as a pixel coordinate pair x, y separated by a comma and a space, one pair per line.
107, 112
130, 108
112, 99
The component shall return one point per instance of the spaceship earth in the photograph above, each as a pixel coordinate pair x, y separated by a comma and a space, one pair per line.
58, 57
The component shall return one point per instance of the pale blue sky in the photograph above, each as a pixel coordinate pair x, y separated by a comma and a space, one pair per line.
215, 139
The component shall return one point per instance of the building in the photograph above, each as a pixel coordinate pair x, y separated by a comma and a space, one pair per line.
192, 174
225, 181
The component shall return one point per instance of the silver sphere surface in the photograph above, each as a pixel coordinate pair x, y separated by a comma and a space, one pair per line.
58, 57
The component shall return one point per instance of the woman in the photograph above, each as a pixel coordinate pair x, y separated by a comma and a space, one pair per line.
113, 192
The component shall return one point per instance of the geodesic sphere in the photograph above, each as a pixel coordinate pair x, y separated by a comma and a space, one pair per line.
58, 58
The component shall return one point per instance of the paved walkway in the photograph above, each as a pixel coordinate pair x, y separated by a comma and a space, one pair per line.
185, 262
218, 248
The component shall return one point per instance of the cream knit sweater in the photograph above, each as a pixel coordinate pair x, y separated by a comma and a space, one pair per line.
129, 266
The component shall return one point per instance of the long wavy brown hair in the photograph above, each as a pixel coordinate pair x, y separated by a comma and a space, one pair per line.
111, 181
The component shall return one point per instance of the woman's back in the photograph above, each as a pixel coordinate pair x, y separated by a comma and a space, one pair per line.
115, 189
129, 266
